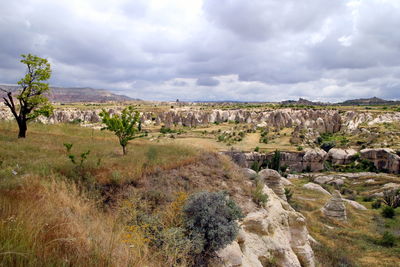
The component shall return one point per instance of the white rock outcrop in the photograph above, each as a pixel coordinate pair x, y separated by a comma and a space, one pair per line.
274, 181
316, 187
341, 156
276, 233
335, 207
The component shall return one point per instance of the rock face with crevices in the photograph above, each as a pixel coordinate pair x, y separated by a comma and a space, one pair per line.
341, 156
383, 159
310, 159
335, 207
276, 233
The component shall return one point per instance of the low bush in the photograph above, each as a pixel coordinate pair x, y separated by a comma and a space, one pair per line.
210, 219
388, 212
258, 195
387, 240
289, 194
376, 204
392, 198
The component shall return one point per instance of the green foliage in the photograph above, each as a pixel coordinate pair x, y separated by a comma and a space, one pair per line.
255, 166
32, 98
257, 149
376, 204
360, 165
231, 137
82, 157
387, 240
211, 217
275, 163
388, 212
326, 141
328, 145
300, 148
126, 126
289, 194
166, 130
258, 195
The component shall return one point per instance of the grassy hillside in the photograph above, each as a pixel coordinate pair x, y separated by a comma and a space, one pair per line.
56, 213
357, 241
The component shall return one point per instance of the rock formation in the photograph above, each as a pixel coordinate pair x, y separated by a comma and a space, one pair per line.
383, 158
310, 159
273, 180
276, 233
335, 207
316, 187
341, 156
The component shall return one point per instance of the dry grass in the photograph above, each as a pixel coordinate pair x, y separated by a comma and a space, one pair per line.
49, 216
47, 222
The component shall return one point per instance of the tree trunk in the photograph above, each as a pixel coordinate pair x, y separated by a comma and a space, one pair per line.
124, 150
22, 128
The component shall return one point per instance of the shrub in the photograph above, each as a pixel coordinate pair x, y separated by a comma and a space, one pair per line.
256, 166
376, 204
368, 198
288, 193
328, 145
299, 148
211, 217
257, 149
388, 212
387, 240
275, 163
392, 198
258, 195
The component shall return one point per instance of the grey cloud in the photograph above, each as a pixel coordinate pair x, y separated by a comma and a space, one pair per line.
274, 49
207, 81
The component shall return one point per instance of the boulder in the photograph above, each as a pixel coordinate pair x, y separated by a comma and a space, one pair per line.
286, 182
316, 187
337, 182
249, 173
355, 204
335, 207
274, 181
341, 156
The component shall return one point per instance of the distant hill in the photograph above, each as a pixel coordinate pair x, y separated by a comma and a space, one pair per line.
84, 94
368, 101
302, 101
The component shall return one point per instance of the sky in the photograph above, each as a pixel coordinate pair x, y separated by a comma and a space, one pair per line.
258, 50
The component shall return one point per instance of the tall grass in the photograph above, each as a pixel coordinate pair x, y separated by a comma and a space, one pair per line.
43, 153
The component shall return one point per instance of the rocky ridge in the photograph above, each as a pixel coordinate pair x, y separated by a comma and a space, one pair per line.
321, 121
276, 233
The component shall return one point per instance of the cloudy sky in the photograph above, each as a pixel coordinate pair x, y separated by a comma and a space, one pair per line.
264, 50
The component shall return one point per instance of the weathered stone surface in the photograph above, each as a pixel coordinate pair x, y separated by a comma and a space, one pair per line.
340, 156
335, 207
383, 159
355, 204
275, 232
285, 182
316, 187
273, 180
249, 173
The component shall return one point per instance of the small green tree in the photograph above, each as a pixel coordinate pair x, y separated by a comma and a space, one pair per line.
31, 96
126, 126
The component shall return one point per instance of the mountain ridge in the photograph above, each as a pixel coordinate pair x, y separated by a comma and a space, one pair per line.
77, 94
